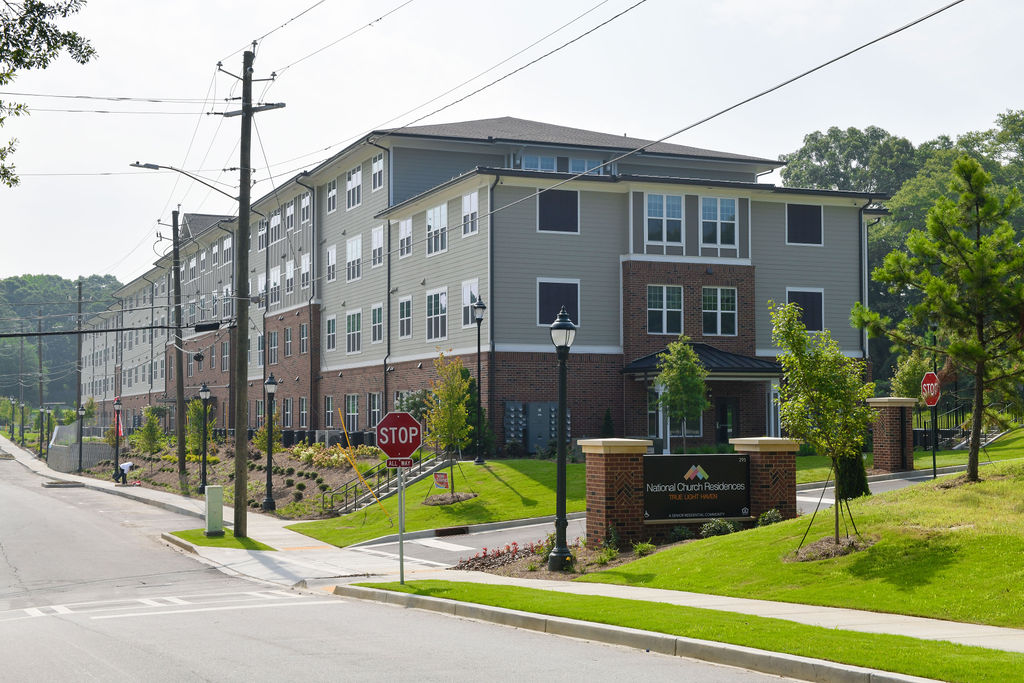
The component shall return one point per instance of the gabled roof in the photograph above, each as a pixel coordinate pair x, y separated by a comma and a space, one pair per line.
715, 361
510, 129
195, 224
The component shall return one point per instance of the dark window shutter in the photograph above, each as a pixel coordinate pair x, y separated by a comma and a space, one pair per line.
803, 224
811, 305
558, 211
552, 296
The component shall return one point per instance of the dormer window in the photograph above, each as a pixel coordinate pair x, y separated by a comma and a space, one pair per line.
534, 162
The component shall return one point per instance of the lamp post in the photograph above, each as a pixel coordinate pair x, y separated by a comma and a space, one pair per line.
21, 427
204, 394
478, 314
117, 435
81, 419
271, 386
12, 419
49, 416
563, 333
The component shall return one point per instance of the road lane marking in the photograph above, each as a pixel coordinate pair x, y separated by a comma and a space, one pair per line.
177, 601
394, 556
441, 545
220, 609
151, 603
809, 499
34, 612
60, 609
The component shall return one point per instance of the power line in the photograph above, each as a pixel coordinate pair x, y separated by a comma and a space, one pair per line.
277, 28
156, 100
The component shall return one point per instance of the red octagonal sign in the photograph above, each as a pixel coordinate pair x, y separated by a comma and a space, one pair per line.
930, 389
399, 435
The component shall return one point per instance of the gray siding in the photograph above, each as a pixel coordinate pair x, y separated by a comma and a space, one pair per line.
418, 170
832, 267
592, 257
672, 171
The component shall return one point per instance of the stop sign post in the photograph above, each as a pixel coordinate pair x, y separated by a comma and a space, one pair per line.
931, 390
399, 435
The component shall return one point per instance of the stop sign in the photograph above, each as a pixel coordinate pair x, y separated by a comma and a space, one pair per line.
399, 435
930, 389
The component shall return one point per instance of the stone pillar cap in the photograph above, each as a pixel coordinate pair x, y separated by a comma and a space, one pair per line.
892, 402
765, 444
615, 445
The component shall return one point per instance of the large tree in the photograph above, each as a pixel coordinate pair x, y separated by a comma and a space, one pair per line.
968, 270
31, 39
683, 378
869, 160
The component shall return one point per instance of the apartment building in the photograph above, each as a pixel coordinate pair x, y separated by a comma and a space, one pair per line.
364, 268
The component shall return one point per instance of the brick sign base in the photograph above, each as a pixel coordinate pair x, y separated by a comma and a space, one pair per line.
893, 435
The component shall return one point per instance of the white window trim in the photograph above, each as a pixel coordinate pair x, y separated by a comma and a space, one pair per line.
523, 166
348, 314
402, 225
664, 228
332, 196
426, 316
400, 302
443, 230
377, 307
579, 215
475, 194
474, 286
564, 281
785, 226
718, 221
327, 335
354, 244
719, 311
332, 263
819, 290
373, 172
376, 233
664, 309
354, 181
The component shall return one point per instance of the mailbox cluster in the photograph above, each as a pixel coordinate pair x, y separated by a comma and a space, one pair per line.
535, 424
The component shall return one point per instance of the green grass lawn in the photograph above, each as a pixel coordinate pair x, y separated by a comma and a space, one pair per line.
932, 659
508, 489
941, 553
228, 540
810, 468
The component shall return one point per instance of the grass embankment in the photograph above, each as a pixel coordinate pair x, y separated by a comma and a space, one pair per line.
901, 654
810, 468
228, 540
941, 553
508, 489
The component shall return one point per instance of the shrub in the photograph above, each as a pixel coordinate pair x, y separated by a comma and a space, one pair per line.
642, 548
515, 449
297, 496
769, 517
681, 533
323, 487
612, 540
805, 449
717, 527
319, 480
252, 466
289, 482
290, 471
300, 486
606, 555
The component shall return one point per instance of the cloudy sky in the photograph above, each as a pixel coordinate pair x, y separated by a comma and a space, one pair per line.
660, 66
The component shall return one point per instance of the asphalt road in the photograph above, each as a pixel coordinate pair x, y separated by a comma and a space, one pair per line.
87, 592
808, 499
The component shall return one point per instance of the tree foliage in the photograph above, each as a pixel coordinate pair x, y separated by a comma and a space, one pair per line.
968, 269
869, 160
30, 39
447, 416
150, 437
194, 428
683, 377
823, 393
259, 437
906, 381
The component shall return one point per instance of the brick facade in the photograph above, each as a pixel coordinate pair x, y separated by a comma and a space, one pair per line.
893, 434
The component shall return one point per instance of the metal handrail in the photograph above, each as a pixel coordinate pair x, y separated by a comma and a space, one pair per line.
353, 492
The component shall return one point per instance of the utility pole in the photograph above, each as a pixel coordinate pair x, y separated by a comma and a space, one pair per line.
39, 343
179, 375
78, 367
21, 384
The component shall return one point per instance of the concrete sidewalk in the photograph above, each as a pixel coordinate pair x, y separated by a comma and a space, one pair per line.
303, 561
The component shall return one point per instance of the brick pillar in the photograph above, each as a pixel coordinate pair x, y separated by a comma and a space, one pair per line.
615, 488
772, 473
894, 433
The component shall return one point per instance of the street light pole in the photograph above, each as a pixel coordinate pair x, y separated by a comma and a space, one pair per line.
81, 419
117, 436
271, 386
204, 395
563, 333
478, 314
12, 419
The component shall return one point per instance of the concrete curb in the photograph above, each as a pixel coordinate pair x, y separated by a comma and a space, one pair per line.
179, 542
774, 663
472, 528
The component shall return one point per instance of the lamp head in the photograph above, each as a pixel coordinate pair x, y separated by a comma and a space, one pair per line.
204, 392
117, 404
271, 385
478, 310
563, 332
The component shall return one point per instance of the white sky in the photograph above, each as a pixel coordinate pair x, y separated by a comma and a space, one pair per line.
660, 67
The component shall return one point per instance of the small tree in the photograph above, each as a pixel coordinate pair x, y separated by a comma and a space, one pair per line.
906, 381
259, 437
683, 377
823, 394
414, 403
607, 425
90, 408
446, 408
487, 437
194, 427
149, 438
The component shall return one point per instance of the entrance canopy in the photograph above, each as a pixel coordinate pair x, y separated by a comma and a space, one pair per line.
719, 364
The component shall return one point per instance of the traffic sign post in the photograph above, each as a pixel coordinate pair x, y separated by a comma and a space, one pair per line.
399, 435
931, 390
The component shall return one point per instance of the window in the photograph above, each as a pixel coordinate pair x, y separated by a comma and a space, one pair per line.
534, 162
665, 219
352, 412
213, 356
272, 348
470, 293
552, 294
260, 350
261, 235
811, 303
376, 323
377, 172
289, 216
286, 413
229, 304
332, 331
437, 229
202, 269
303, 337
377, 247
404, 238
275, 227
259, 414
718, 222
332, 196
304, 272
437, 314
202, 314
303, 412
719, 307
287, 342
304, 204
354, 259
191, 320
405, 317
373, 403
470, 211
354, 331
261, 287
664, 309
803, 224
332, 262
226, 249
354, 187
328, 411
289, 277
192, 268
213, 309
588, 166
558, 211
225, 349
275, 285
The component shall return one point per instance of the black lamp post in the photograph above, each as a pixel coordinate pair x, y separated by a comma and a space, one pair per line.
117, 436
563, 332
81, 419
478, 314
46, 452
271, 386
204, 394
